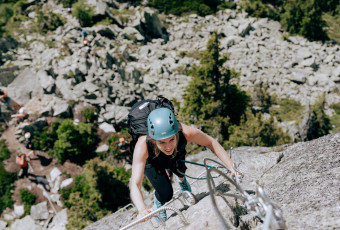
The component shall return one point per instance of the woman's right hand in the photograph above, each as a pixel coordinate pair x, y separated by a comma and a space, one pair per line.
143, 213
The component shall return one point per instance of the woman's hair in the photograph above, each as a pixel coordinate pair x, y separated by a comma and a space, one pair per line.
157, 151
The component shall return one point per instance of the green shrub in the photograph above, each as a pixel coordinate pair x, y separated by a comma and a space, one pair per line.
320, 122
101, 189
67, 3
45, 139
261, 97
180, 7
308, 18
4, 152
65, 140
89, 113
28, 199
6, 179
304, 18
228, 5
257, 8
18, 11
256, 131
75, 142
6, 12
287, 110
84, 13
6, 186
335, 119
47, 21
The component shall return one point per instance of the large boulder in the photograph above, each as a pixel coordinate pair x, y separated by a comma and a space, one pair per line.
59, 221
25, 87
26, 223
150, 26
40, 211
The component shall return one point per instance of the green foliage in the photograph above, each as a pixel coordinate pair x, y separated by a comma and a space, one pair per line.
112, 142
17, 11
320, 121
100, 190
257, 8
89, 113
84, 13
67, 3
6, 186
304, 18
254, 130
287, 110
180, 7
335, 119
6, 12
45, 139
333, 25
4, 152
75, 142
28, 199
228, 5
47, 21
210, 100
261, 98
65, 140
6, 179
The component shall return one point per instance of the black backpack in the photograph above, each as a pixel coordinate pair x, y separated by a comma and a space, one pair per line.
137, 118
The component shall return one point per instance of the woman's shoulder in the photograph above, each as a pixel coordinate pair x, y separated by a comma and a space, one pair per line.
141, 143
188, 130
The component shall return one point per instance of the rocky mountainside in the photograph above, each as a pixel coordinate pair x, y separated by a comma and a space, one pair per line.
149, 54
302, 178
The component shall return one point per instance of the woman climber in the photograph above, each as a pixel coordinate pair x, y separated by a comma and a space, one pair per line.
160, 152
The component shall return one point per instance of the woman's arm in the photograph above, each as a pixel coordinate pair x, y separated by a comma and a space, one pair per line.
140, 155
197, 136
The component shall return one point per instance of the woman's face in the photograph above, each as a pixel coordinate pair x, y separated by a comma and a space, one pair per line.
167, 146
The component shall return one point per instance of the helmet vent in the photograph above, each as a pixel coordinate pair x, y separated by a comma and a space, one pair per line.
171, 122
152, 127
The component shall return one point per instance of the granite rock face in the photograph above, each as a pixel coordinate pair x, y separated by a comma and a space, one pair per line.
302, 178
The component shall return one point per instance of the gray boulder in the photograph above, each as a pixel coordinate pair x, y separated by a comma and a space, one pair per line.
61, 108
46, 81
3, 225
26, 223
150, 26
59, 221
40, 211
24, 87
306, 183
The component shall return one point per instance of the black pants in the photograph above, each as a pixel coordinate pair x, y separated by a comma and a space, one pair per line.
24, 171
161, 182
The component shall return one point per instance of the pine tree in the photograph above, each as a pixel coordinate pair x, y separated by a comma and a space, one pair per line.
211, 101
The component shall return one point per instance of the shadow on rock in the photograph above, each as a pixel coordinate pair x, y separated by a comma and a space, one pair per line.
44, 161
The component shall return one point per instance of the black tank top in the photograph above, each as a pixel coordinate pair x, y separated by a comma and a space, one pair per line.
163, 160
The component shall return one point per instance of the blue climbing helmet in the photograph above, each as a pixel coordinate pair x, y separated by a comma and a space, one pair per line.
162, 124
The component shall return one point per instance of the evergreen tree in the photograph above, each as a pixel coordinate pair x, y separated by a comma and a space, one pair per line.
320, 122
211, 101
304, 18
